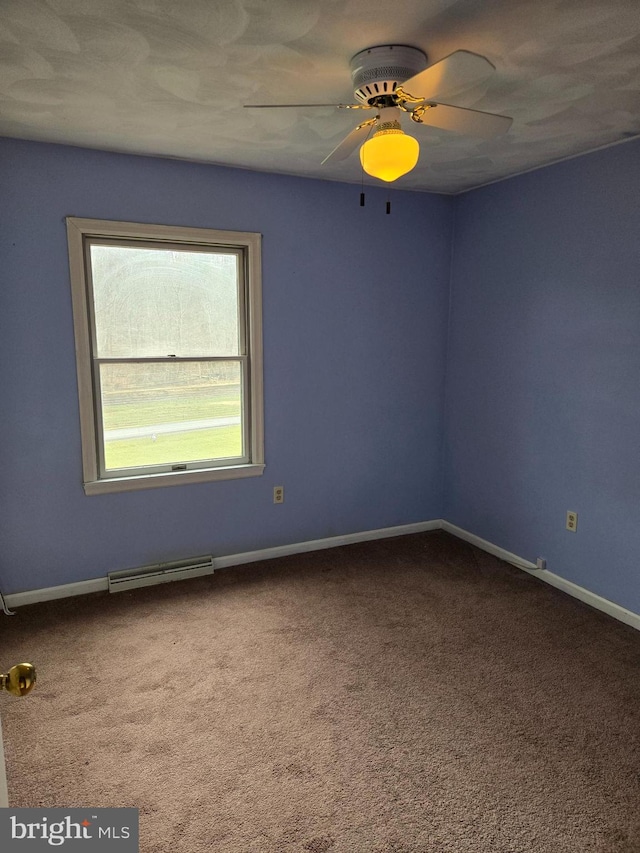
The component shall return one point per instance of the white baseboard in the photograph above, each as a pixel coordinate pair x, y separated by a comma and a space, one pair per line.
489, 547
67, 590
49, 593
321, 544
609, 607
579, 592
19, 599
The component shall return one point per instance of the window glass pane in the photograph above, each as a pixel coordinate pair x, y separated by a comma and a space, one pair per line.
158, 302
163, 414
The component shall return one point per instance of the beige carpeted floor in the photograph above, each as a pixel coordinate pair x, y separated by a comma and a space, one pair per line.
399, 696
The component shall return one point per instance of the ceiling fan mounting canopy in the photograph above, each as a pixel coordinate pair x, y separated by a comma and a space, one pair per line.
376, 72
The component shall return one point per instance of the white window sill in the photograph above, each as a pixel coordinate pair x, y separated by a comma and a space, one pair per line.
171, 478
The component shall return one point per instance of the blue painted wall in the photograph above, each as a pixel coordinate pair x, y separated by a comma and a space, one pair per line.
542, 373
355, 306
543, 376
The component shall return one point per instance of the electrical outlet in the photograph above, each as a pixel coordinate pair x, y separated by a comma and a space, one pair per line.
572, 521
278, 494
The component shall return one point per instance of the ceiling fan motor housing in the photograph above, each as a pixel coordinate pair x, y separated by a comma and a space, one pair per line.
378, 71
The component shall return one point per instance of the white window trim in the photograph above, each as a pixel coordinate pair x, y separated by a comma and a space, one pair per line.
251, 243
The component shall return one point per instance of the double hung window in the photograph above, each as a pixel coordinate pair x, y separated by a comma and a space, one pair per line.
168, 342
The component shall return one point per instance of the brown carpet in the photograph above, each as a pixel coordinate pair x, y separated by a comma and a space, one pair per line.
400, 696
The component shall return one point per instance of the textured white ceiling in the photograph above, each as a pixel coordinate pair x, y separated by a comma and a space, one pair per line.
169, 77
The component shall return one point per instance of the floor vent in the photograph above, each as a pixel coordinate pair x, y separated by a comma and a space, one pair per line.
160, 573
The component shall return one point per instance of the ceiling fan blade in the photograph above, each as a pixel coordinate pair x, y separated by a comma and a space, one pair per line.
351, 141
286, 106
448, 76
463, 120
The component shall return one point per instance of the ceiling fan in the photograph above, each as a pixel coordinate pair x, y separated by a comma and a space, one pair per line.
394, 79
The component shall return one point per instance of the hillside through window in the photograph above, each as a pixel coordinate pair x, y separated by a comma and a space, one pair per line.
169, 320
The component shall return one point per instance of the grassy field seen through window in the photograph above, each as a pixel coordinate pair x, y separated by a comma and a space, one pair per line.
158, 421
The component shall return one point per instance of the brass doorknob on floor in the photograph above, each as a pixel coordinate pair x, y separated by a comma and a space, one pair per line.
20, 679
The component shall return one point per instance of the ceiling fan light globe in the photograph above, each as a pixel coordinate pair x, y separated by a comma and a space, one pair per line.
389, 155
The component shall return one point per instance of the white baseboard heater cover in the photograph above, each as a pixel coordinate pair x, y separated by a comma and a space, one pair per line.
177, 570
